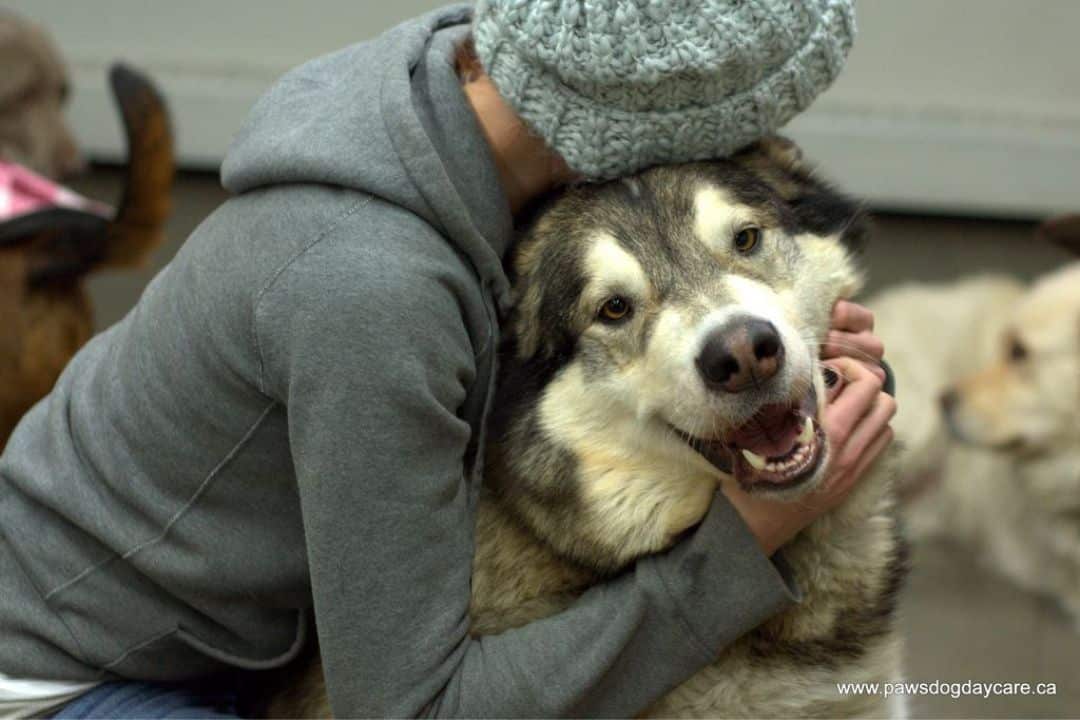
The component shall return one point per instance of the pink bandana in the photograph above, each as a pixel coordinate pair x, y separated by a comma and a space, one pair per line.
23, 191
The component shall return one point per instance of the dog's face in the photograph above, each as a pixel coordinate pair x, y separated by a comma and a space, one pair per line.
33, 92
1028, 401
666, 337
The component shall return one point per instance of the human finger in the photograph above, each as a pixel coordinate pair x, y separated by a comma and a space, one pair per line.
863, 345
852, 402
872, 452
852, 317
866, 431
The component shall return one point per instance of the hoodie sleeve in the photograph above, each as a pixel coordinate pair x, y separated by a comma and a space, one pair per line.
374, 359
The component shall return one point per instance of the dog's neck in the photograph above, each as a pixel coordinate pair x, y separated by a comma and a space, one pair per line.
858, 539
1053, 480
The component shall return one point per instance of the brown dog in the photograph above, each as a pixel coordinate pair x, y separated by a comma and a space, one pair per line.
33, 91
45, 314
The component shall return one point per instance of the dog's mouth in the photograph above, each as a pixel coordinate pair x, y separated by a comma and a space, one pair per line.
779, 448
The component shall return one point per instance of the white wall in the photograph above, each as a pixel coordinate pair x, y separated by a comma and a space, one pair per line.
957, 105
949, 105
212, 57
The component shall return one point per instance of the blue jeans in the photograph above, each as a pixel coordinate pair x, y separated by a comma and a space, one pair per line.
123, 700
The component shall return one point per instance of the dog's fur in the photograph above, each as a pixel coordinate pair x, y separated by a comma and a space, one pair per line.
999, 468
588, 465
33, 92
45, 313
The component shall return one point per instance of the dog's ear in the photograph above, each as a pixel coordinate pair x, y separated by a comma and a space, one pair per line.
817, 206
1063, 230
784, 152
775, 153
780, 163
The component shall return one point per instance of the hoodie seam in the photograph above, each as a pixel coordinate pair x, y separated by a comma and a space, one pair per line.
331, 227
177, 516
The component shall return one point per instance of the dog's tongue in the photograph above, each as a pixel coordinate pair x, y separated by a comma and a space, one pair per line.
772, 432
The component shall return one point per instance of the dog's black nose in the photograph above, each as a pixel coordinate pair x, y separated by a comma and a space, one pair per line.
743, 353
948, 401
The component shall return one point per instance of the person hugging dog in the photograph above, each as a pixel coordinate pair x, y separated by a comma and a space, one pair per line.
290, 419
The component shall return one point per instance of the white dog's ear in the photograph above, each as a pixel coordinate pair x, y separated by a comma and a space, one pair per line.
1064, 231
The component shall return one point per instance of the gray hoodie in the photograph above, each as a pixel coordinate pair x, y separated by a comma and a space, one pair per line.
288, 420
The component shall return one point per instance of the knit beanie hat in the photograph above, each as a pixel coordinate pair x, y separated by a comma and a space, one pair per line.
616, 85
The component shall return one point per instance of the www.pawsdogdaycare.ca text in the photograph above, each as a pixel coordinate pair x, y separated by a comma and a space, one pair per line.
954, 690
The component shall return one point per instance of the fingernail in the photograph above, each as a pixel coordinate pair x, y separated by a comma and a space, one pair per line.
830, 376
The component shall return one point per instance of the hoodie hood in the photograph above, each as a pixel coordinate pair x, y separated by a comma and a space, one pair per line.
386, 117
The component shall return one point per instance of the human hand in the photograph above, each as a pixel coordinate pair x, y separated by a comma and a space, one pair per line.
856, 422
851, 334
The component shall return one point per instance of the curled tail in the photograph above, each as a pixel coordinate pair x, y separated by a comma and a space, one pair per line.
138, 227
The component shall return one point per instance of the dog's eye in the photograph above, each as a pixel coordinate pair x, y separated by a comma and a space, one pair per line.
747, 239
614, 309
1018, 352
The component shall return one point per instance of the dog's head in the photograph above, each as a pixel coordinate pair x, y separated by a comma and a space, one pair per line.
33, 92
1028, 400
665, 336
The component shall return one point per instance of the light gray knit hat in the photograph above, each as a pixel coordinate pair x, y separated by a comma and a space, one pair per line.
617, 85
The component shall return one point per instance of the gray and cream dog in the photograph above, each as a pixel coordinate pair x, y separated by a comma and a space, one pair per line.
664, 341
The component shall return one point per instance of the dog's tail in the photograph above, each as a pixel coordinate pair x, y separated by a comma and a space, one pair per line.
138, 227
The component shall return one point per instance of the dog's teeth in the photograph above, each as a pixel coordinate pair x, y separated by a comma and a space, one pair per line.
756, 461
807, 433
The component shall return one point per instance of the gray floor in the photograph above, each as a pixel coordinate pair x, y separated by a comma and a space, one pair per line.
960, 622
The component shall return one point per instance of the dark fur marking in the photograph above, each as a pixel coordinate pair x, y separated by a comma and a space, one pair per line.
856, 627
514, 413
824, 212
520, 383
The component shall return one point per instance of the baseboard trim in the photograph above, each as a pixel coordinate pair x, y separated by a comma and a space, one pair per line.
947, 162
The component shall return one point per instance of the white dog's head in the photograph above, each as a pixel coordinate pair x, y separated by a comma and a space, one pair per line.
1028, 400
